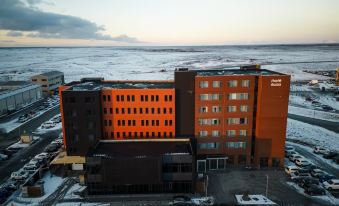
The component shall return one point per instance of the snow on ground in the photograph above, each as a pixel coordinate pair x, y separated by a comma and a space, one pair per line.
254, 200
51, 183
312, 134
315, 156
83, 204
75, 188
329, 116
328, 198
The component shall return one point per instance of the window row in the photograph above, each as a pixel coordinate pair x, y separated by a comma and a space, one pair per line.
230, 121
139, 110
231, 96
217, 133
216, 145
142, 122
217, 109
131, 98
230, 83
139, 134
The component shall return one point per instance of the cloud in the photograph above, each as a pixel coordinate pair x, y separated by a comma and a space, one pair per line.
14, 33
17, 16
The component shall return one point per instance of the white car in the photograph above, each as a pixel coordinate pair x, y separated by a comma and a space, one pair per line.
320, 150
331, 184
291, 169
41, 156
31, 166
294, 157
302, 162
48, 125
19, 175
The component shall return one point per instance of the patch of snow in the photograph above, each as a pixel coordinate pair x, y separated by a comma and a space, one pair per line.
312, 134
75, 188
254, 200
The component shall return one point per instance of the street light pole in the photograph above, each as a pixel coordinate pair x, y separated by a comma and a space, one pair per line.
206, 185
266, 185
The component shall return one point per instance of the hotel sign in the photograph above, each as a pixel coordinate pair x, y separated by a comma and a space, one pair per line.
276, 82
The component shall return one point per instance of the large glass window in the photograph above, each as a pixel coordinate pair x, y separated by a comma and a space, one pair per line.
243, 132
215, 133
231, 133
215, 121
203, 84
203, 133
244, 108
233, 83
204, 97
203, 109
245, 83
232, 108
236, 145
216, 84
216, 109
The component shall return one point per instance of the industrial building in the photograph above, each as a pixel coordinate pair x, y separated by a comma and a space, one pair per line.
228, 117
15, 95
49, 81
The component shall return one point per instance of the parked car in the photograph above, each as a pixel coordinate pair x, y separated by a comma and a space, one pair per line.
31, 166
330, 155
319, 150
289, 148
326, 107
4, 194
291, 169
41, 156
294, 157
317, 172
307, 182
289, 153
48, 125
315, 190
7, 152
19, 175
3, 157
51, 148
300, 173
325, 177
331, 184
310, 167
302, 162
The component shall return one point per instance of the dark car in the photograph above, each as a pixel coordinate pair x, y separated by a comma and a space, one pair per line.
51, 148
330, 155
311, 167
325, 177
314, 190
299, 179
336, 159
308, 181
7, 152
326, 107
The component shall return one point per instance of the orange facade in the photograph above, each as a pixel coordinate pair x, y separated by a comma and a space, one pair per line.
215, 126
138, 113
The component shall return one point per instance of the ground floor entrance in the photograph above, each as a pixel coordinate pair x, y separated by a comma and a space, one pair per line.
211, 163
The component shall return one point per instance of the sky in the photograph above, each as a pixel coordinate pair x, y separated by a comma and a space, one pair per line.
167, 22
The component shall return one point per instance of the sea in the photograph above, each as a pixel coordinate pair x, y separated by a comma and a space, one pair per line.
159, 62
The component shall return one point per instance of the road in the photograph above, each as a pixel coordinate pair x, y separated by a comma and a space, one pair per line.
19, 159
332, 126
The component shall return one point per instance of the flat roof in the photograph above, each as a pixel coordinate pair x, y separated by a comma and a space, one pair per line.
14, 83
51, 73
230, 72
98, 85
142, 147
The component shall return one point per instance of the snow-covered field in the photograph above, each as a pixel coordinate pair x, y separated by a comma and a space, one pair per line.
312, 134
146, 62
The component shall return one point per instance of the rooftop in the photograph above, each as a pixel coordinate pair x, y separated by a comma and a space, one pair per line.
226, 72
52, 73
14, 83
98, 85
142, 147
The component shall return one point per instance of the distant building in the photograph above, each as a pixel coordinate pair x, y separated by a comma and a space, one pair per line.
15, 95
49, 81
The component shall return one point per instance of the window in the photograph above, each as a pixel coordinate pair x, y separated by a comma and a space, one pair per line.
244, 108
216, 84
133, 98
152, 98
158, 110
216, 97
123, 122
142, 98
210, 145
166, 98
170, 98
142, 122
233, 83
243, 96
119, 122
128, 98
152, 110
157, 122
104, 98
117, 110
165, 110
203, 109
236, 145
146, 110
233, 120
203, 84
170, 122
232, 96
122, 110
110, 110
204, 121
109, 98
232, 108
231, 133
237, 96
140, 110
122, 98
134, 110
243, 132
157, 98
215, 133
170, 110
203, 133
105, 110
216, 109
146, 98
204, 97
215, 121
243, 121
109, 122
105, 122
245, 83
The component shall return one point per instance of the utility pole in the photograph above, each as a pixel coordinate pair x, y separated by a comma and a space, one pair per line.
266, 185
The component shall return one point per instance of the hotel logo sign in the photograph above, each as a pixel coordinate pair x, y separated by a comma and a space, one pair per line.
276, 82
